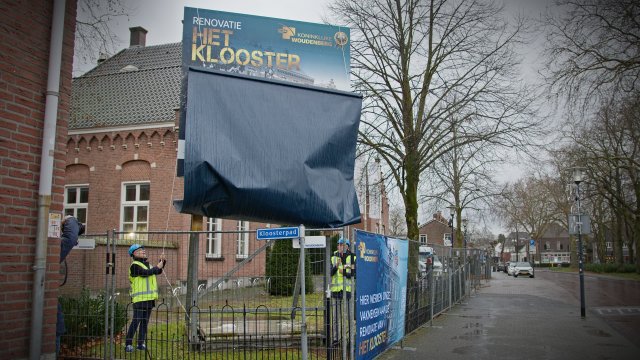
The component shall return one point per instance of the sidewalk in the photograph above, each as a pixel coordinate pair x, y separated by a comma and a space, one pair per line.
516, 319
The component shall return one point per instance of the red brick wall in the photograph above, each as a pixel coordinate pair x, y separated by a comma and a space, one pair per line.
435, 231
25, 28
106, 160
103, 161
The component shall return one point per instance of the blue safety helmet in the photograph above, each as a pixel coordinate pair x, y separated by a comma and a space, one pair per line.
344, 241
133, 248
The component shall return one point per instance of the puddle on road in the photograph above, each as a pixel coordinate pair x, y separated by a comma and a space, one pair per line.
598, 333
476, 330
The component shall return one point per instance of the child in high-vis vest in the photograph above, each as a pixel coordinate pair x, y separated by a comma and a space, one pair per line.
144, 292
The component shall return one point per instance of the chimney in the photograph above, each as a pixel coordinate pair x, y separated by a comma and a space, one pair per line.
102, 57
138, 36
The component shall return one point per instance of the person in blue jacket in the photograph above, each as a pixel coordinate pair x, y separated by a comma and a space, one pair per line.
71, 229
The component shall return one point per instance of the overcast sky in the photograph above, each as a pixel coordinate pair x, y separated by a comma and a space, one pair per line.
163, 18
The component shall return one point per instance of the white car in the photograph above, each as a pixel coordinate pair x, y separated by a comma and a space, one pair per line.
522, 268
510, 268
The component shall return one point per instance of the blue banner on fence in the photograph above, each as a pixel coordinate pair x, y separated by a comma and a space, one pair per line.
381, 294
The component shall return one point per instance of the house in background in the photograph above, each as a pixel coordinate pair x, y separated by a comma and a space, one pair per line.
435, 231
516, 245
121, 156
555, 245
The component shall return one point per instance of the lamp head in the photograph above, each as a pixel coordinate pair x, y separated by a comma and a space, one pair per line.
452, 210
578, 174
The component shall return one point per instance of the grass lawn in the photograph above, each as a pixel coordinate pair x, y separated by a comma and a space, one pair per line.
626, 275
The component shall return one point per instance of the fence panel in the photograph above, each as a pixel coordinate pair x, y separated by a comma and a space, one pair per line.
244, 300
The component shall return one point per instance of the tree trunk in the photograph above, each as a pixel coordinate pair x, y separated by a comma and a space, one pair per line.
411, 215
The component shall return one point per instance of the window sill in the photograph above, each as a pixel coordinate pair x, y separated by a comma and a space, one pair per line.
213, 258
241, 258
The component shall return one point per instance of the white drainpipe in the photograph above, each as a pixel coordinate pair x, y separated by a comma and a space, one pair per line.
46, 177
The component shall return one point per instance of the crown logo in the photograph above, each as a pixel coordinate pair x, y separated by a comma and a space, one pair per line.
287, 32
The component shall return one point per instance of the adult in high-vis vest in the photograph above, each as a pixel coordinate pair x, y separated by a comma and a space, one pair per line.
343, 271
144, 292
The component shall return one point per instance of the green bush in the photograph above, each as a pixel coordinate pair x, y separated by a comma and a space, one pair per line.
282, 267
610, 268
84, 318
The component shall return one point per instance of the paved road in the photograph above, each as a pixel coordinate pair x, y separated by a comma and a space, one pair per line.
523, 318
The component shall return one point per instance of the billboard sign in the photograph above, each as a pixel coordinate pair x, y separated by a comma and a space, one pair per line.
292, 51
288, 50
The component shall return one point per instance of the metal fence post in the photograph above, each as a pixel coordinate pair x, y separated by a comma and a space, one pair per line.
192, 277
303, 290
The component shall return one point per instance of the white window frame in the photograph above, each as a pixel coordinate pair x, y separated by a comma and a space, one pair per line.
242, 243
136, 204
214, 240
77, 205
423, 239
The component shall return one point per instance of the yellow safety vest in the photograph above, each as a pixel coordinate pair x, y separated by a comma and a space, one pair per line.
143, 288
338, 279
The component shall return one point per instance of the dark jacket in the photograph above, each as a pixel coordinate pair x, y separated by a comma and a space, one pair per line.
137, 270
71, 228
69, 238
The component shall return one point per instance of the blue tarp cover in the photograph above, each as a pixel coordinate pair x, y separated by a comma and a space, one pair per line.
269, 151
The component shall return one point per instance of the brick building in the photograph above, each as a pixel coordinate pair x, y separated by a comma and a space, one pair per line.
555, 245
121, 160
25, 65
435, 231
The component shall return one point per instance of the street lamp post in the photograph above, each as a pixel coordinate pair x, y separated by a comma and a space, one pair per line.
465, 221
517, 244
452, 213
578, 177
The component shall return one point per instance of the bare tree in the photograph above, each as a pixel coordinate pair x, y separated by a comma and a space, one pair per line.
94, 32
466, 174
609, 147
525, 205
397, 225
593, 49
426, 68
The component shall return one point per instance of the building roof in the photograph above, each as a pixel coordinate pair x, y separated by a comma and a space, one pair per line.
432, 221
556, 231
138, 85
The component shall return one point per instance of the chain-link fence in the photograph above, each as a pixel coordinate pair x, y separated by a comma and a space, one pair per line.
228, 295
446, 277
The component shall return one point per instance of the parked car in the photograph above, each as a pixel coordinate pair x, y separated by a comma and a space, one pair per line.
430, 261
510, 267
501, 266
522, 268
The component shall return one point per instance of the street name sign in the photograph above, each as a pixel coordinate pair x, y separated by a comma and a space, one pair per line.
311, 242
278, 233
